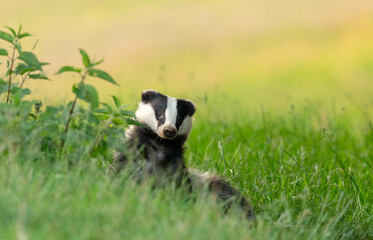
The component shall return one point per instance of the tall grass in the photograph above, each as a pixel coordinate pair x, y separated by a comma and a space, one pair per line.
307, 172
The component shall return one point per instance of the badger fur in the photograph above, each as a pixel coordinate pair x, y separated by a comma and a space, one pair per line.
158, 149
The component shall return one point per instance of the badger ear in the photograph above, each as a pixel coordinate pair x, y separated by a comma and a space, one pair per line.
148, 95
191, 107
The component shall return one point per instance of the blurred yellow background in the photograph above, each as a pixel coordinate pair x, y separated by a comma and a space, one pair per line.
255, 53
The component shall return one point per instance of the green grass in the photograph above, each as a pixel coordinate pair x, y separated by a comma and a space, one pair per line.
307, 172
283, 92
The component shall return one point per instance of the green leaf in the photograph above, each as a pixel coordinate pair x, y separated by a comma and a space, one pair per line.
35, 44
17, 96
38, 76
92, 96
12, 30
25, 91
85, 58
19, 93
101, 74
128, 113
30, 59
3, 86
118, 121
79, 90
24, 35
69, 69
102, 110
107, 107
3, 52
6, 36
23, 68
19, 29
103, 117
133, 122
87, 93
116, 101
97, 63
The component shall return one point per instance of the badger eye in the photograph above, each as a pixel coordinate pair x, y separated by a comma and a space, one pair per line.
159, 114
179, 120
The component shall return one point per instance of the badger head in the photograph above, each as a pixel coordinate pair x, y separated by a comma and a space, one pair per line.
168, 117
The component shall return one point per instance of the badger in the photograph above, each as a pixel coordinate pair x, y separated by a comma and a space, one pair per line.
158, 149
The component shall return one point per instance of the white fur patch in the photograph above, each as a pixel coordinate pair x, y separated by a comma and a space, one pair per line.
129, 132
185, 127
171, 111
146, 115
199, 179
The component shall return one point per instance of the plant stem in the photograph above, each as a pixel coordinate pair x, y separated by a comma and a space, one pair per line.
23, 81
71, 113
68, 122
10, 72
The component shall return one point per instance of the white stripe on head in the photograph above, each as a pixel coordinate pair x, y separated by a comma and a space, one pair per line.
146, 115
185, 127
171, 111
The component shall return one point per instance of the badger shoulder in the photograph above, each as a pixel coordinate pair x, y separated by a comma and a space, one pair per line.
119, 158
224, 193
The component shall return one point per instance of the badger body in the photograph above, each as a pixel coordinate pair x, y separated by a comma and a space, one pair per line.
158, 145
158, 149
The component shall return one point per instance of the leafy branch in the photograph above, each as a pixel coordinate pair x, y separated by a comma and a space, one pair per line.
83, 91
28, 67
114, 118
44, 132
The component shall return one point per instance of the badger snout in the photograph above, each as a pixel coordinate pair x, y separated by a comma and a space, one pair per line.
169, 131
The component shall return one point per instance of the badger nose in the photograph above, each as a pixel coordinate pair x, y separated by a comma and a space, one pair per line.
169, 131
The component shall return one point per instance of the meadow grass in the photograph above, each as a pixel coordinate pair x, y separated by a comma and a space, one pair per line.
307, 172
284, 113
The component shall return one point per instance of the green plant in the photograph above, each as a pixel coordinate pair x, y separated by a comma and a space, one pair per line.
22, 64
63, 131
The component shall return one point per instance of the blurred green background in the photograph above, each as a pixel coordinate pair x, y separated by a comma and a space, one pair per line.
245, 53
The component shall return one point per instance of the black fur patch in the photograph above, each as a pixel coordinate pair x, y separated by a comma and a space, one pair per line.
148, 96
184, 108
158, 101
161, 155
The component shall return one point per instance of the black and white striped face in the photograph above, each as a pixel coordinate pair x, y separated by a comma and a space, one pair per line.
168, 117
